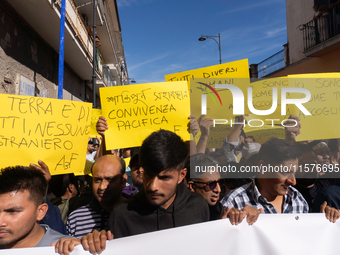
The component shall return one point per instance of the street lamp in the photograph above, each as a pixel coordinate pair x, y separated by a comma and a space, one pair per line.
205, 37
132, 80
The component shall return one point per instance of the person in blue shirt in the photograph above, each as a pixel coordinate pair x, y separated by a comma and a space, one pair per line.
22, 196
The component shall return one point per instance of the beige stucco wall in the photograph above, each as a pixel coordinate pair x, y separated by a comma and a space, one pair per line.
298, 12
323, 64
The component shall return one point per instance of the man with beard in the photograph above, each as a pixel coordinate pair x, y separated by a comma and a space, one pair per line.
108, 180
164, 202
22, 195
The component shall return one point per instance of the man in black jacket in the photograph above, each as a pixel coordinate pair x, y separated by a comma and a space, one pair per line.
165, 202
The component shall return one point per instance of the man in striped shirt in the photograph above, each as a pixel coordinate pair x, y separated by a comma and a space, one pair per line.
108, 180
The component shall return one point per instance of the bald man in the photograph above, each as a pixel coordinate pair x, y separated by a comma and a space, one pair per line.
108, 180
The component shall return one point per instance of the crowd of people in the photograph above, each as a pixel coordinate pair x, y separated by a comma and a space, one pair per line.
160, 187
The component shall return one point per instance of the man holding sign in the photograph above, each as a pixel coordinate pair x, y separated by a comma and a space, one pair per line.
165, 202
271, 191
22, 196
108, 180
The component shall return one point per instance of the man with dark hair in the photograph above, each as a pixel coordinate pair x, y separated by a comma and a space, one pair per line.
134, 151
96, 146
90, 151
334, 147
125, 154
64, 187
136, 172
108, 181
276, 151
22, 206
307, 181
322, 151
165, 202
207, 182
249, 139
272, 191
136, 177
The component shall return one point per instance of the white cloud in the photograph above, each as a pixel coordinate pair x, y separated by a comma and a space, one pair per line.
255, 41
123, 3
128, 3
149, 61
252, 6
253, 52
275, 32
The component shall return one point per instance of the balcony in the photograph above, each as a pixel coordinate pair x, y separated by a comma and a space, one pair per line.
322, 33
108, 30
44, 17
76, 21
271, 64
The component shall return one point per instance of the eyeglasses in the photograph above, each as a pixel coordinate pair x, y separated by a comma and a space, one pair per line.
211, 185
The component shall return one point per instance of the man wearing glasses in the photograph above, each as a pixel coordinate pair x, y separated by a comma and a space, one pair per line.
207, 184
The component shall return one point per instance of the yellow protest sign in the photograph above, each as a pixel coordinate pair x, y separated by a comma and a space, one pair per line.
264, 92
212, 75
54, 131
210, 96
216, 136
255, 98
324, 105
86, 170
217, 101
127, 161
133, 112
264, 133
96, 113
236, 69
260, 134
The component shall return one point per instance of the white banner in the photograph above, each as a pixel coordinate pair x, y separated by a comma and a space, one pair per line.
285, 234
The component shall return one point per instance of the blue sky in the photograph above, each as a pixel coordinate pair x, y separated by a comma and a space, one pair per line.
161, 36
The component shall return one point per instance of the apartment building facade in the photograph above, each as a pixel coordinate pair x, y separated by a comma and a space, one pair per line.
29, 46
313, 43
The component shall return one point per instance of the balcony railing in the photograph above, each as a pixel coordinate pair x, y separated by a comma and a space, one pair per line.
80, 30
271, 64
107, 77
321, 29
99, 62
